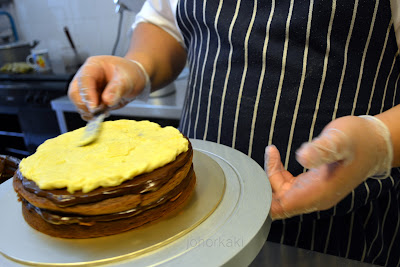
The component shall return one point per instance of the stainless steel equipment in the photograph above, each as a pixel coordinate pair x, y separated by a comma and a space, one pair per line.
121, 6
16, 52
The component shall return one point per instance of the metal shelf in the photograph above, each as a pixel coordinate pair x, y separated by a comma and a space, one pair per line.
14, 134
17, 151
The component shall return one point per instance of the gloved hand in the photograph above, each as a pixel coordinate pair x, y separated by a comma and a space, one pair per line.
348, 151
107, 81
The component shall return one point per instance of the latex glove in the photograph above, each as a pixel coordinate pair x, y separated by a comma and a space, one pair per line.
347, 152
107, 81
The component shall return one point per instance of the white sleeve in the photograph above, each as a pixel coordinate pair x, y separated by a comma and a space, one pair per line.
163, 14
395, 4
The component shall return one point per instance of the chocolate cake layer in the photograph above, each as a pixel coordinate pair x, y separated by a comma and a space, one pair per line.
108, 205
68, 218
101, 228
147, 182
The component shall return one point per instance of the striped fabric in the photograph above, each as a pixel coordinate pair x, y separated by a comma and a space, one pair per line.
276, 72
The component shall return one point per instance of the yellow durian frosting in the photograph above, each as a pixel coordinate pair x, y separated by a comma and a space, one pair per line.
124, 149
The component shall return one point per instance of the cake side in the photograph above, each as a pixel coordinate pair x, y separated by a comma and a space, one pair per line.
106, 228
108, 198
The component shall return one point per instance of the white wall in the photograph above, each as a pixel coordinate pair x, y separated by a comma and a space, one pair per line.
92, 25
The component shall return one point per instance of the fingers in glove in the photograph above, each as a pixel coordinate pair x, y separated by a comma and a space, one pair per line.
73, 94
273, 166
331, 146
306, 193
285, 188
279, 179
339, 160
119, 91
281, 182
317, 189
84, 89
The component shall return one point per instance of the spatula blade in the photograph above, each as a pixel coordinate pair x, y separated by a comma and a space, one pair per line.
92, 130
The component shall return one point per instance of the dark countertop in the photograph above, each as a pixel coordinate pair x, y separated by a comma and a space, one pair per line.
274, 254
35, 77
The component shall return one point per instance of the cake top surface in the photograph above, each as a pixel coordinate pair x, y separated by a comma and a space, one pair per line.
124, 149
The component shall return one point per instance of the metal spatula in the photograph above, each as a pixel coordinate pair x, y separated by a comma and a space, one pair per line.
93, 127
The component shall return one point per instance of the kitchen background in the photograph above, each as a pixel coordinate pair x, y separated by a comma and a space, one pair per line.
34, 105
92, 24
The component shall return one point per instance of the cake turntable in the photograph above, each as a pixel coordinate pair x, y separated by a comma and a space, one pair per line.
225, 223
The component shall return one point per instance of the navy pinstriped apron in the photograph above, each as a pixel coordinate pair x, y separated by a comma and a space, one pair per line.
276, 72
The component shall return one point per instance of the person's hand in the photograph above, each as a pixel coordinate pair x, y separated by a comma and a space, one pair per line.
106, 81
348, 151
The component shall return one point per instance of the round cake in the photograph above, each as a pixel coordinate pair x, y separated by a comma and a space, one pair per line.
135, 173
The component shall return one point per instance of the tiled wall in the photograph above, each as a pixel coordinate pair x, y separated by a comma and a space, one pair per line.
92, 24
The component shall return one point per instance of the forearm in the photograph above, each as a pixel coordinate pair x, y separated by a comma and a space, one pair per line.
159, 53
391, 118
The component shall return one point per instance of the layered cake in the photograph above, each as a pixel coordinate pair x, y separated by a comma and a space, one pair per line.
135, 173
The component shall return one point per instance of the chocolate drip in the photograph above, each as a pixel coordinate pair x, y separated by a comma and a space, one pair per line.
58, 218
141, 184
